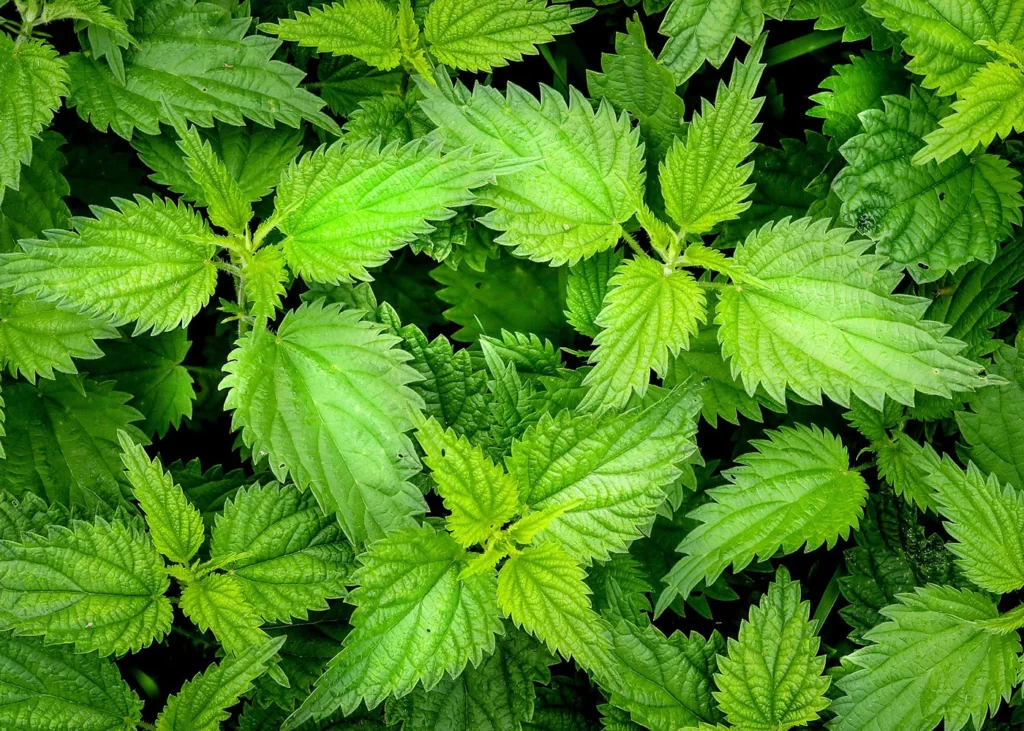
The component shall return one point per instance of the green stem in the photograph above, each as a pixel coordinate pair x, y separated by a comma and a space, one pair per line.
628, 237
203, 371
714, 285
1006, 622
828, 599
802, 46
145, 726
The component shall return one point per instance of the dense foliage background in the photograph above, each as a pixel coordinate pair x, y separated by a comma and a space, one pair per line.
505, 318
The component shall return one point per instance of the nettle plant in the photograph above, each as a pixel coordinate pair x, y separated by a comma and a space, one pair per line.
468, 334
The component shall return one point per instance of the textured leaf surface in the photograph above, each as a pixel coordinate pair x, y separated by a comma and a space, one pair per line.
942, 35
613, 469
542, 590
478, 37
291, 557
37, 337
704, 179
217, 603
139, 263
826, 322
498, 695
846, 14
986, 520
853, 88
573, 201
990, 106
649, 314
355, 454
409, 597
202, 702
723, 394
796, 489
699, 30
174, 524
51, 687
62, 443
150, 369
366, 29
994, 427
346, 207
666, 680
227, 205
479, 494
33, 78
773, 678
586, 288
97, 585
38, 203
633, 80
928, 218
233, 79
932, 647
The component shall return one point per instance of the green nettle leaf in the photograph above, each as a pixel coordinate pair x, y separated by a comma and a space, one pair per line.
99, 586
969, 300
942, 35
987, 522
286, 555
905, 465
38, 203
366, 29
586, 287
773, 679
453, 387
994, 427
542, 590
150, 369
144, 262
666, 681
928, 218
723, 394
698, 30
255, 157
527, 352
787, 182
478, 37
480, 495
934, 648
233, 79
620, 587
345, 82
202, 703
174, 524
893, 555
635, 82
345, 207
588, 165
649, 314
797, 488
510, 294
227, 205
327, 399
264, 275
991, 105
825, 321
609, 472
33, 78
62, 442
854, 87
28, 514
498, 695
704, 178
409, 595
37, 337
44, 687
846, 14
217, 603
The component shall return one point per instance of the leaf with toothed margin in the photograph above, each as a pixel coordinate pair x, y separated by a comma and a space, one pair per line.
355, 455
409, 596
826, 322
587, 166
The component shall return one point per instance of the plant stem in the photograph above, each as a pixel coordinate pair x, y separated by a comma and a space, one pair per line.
802, 46
628, 237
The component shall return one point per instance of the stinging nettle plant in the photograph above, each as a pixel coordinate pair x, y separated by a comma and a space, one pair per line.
592, 404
